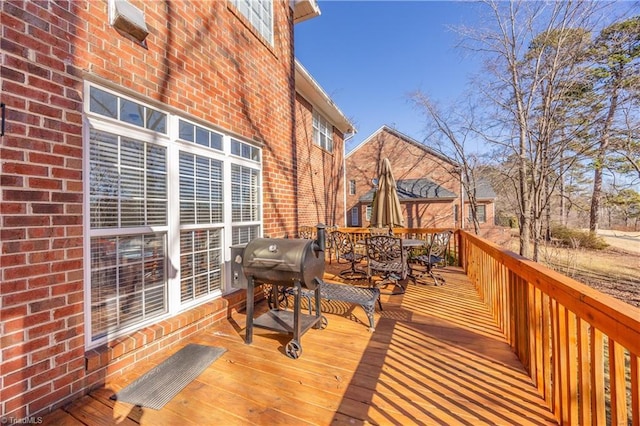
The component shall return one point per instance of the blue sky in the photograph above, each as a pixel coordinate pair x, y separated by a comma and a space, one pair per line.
369, 55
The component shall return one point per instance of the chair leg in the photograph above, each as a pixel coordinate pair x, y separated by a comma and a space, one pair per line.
353, 273
436, 277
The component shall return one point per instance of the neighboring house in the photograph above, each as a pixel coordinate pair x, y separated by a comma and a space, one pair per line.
427, 182
136, 151
320, 136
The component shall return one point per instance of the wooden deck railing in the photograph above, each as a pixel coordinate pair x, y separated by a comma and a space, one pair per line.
359, 234
580, 346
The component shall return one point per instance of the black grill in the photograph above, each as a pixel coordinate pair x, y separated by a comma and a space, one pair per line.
283, 262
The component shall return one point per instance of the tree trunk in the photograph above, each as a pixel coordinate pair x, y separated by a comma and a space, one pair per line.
594, 214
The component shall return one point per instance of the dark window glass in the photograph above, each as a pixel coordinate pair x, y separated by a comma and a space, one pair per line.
131, 112
103, 103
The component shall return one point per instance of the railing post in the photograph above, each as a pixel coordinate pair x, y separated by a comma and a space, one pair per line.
461, 251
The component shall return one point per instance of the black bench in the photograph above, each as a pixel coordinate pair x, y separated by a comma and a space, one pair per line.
363, 296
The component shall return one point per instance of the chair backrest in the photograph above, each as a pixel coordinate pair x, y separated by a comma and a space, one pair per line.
307, 232
439, 245
342, 243
386, 254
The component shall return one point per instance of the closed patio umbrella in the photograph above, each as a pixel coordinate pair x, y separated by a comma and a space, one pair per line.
386, 210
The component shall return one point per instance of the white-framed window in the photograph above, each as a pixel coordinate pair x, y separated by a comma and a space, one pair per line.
481, 213
260, 14
140, 221
355, 216
352, 187
322, 132
368, 213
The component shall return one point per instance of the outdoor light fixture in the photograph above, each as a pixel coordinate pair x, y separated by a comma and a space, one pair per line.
128, 20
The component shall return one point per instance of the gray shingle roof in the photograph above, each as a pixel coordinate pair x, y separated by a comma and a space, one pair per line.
411, 189
484, 190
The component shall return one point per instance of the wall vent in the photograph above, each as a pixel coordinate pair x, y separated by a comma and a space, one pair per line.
128, 20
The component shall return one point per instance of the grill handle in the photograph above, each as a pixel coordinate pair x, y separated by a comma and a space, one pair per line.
268, 261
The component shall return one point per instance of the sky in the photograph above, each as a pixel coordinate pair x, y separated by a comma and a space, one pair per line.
369, 56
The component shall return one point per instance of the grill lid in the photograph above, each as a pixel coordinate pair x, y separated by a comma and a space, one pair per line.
284, 261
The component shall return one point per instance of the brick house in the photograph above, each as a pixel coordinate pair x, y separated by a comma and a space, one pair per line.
320, 136
141, 140
427, 182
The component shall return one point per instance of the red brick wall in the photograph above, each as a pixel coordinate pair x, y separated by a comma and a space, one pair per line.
408, 161
320, 173
203, 59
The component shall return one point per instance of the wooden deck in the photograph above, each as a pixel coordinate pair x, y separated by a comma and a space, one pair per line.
436, 357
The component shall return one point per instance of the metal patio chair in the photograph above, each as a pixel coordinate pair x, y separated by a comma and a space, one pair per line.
435, 256
345, 250
307, 232
386, 258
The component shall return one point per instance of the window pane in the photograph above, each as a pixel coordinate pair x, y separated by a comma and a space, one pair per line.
259, 14
127, 182
132, 153
216, 141
244, 234
201, 263
244, 194
201, 189
156, 121
131, 112
322, 132
186, 131
127, 281
202, 136
103, 103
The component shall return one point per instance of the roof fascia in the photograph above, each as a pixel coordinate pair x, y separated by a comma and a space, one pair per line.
304, 9
421, 146
309, 89
364, 142
385, 128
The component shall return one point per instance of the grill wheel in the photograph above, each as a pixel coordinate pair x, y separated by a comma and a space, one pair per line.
293, 349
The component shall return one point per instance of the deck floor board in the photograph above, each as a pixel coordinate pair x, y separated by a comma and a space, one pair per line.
436, 357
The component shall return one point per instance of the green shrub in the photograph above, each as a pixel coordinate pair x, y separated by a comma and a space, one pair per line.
577, 238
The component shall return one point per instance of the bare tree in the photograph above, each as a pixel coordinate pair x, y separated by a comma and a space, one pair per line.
533, 60
451, 134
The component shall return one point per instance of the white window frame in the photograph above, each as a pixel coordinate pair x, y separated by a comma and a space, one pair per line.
481, 213
259, 13
322, 132
352, 187
355, 216
249, 156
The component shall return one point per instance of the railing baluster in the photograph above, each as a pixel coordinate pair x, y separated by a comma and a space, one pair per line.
572, 371
635, 389
597, 378
584, 366
557, 356
617, 384
547, 348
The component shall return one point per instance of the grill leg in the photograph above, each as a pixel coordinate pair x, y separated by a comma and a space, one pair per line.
248, 336
317, 295
297, 326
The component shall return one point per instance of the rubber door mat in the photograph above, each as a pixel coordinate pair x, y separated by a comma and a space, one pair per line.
159, 385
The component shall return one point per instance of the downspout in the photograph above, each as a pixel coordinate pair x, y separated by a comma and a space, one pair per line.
344, 176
